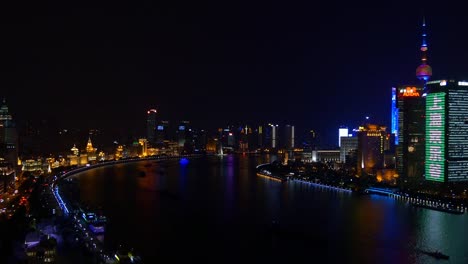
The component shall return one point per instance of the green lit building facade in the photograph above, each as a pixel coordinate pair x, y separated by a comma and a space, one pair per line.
446, 131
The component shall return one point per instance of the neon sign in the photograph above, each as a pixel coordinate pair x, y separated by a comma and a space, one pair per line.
409, 92
435, 133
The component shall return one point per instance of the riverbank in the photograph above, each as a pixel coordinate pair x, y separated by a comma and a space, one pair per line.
80, 236
285, 173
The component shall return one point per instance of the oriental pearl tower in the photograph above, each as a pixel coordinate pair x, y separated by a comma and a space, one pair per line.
424, 71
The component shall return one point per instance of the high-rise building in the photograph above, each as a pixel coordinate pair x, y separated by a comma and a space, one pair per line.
245, 138
411, 131
260, 136
8, 148
348, 148
8, 137
289, 137
200, 139
183, 132
271, 136
371, 145
408, 119
447, 131
342, 132
163, 132
151, 125
311, 139
227, 137
394, 115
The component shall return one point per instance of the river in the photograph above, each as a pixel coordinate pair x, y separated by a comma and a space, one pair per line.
216, 209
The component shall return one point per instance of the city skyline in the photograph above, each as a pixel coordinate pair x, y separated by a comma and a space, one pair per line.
215, 64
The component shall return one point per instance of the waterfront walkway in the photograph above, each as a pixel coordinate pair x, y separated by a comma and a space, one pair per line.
83, 237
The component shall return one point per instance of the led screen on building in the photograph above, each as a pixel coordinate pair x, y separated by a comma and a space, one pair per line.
435, 137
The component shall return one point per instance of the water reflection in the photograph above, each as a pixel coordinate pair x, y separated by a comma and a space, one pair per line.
443, 232
220, 205
228, 173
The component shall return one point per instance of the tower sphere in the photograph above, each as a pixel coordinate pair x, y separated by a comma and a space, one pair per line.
424, 72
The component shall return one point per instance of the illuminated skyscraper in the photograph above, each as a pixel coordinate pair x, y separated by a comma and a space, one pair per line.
8, 148
271, 136
245, 138
371, 145
408, 119
394, 116
151, 125
183, 133
259, 137
348, 149
447, 131
411, 126
8, 137
163, 132
311, 138
200, 139
342, 132
289, 137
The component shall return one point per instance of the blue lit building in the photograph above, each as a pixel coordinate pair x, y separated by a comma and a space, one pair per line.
394, 117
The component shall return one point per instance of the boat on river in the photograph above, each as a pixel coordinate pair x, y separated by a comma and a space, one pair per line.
437, 255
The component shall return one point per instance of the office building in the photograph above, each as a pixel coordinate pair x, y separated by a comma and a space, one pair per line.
151, 125
371, 145
348, 149
289, 137
447, 131
163, 132
342, 132
8, 149
411, 132
271, 136
183, 133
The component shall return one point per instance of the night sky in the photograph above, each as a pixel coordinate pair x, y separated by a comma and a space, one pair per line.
216, 63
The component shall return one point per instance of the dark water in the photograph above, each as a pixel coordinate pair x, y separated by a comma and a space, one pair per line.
215, 209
